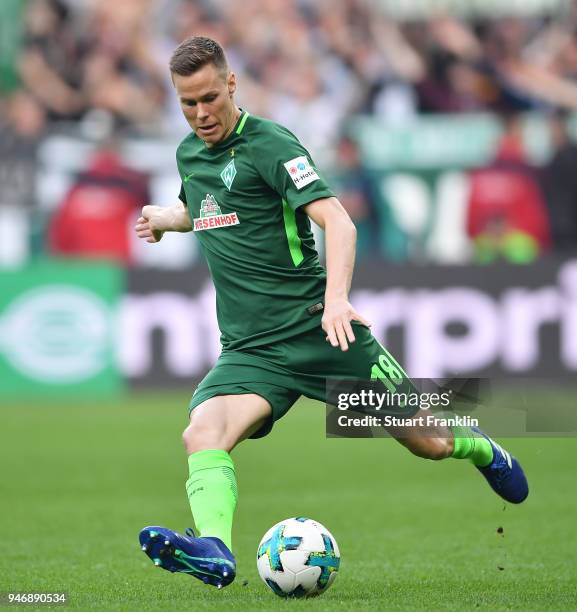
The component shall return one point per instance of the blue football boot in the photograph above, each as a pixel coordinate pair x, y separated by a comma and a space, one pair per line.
504, 474
207, 559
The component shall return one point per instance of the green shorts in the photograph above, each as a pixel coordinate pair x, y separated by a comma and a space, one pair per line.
300, 365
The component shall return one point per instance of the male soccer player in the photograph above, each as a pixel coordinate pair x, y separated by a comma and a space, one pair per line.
249, 190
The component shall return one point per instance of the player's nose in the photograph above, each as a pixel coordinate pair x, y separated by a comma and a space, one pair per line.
201, 112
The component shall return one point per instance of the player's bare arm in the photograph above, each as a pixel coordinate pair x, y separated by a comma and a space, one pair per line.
155, 220
340, 241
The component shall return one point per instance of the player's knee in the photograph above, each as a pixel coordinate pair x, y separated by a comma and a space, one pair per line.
203, 435
430, 448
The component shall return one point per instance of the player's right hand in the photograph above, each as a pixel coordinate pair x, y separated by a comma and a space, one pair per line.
147, 224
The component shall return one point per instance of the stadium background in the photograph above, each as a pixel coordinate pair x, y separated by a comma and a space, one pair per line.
448, 129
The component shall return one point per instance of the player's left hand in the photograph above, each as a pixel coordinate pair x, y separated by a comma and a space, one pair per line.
336, 322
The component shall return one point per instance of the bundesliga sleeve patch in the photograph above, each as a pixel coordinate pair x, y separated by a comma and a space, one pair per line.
301, 172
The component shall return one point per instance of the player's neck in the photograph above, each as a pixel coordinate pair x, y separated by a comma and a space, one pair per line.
234, 118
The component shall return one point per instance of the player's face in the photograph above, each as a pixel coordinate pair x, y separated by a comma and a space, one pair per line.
206, 99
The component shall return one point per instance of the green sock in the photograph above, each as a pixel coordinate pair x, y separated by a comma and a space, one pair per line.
468, 446
212, 493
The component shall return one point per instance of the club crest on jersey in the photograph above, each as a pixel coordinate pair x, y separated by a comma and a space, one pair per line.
301, 172
228, 174
211, 216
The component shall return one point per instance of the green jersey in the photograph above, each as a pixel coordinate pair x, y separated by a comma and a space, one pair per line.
245, 197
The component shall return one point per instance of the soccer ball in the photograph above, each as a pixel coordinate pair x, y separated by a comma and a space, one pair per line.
298, 557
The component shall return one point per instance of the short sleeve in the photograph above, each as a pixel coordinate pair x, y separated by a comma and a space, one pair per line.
182, 195
287, 167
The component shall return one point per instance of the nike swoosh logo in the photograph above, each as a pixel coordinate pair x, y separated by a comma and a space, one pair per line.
188, 177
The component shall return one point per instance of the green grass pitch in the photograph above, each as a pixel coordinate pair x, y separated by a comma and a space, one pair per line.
78, 481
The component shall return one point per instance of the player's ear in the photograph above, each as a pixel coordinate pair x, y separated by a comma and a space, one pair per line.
231, 83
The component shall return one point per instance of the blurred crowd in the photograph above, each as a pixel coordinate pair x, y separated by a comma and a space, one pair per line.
309, 64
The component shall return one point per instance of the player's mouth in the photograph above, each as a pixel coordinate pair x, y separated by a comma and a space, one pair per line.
207, 130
